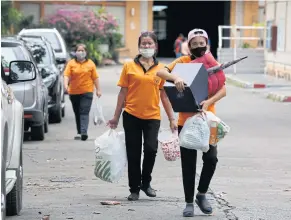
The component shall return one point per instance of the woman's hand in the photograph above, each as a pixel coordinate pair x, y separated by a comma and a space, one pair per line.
113, 123
205, 105
179, 83
98, 93
173, 125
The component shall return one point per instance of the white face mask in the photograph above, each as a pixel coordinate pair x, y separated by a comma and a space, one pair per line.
80, 55
147, 53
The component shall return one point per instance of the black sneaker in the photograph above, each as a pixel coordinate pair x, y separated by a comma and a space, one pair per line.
84, 137
149, 191
133, 197
203, 204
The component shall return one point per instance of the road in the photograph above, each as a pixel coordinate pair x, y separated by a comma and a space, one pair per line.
252, 181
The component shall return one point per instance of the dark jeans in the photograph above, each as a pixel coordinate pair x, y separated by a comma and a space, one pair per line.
81, 107
133, 129
188, 160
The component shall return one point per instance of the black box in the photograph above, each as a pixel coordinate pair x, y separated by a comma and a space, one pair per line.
196, 89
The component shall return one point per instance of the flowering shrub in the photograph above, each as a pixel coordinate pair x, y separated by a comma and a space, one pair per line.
76, 25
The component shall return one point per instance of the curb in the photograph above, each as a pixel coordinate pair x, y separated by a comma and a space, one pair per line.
279, 98
248, 85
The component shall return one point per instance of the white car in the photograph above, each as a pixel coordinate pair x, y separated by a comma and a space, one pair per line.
12, 122
54, 37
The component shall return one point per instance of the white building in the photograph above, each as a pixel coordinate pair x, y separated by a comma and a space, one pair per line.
278, 45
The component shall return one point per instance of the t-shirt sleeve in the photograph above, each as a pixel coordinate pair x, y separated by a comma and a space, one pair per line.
123, 80
67, 71
94, 74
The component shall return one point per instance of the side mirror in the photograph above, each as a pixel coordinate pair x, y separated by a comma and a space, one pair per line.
21, 71
61, 61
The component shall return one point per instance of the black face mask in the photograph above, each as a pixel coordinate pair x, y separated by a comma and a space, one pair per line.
199, 51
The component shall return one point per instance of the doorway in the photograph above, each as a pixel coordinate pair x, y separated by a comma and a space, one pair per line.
172, 18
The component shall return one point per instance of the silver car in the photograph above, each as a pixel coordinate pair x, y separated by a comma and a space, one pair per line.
32, 94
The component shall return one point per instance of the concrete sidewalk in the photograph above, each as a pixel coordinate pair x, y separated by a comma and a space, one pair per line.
281, 89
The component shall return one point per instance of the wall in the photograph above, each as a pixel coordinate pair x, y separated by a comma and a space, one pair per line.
245, 13
278, 63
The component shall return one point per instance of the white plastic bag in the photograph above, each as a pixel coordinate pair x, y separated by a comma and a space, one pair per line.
98, 117
110, 157
170, 144
195, 133
222, 128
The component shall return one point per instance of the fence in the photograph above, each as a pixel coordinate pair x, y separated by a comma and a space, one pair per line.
235, 36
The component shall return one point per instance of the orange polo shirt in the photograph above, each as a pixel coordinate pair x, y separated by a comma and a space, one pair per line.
143, 96
183, 116
81, 76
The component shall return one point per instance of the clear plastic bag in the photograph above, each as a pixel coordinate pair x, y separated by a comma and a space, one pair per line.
195, 133
110, 157
98, 117
222, 129
170, 144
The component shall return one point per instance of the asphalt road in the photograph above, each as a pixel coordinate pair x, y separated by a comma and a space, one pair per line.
252, 182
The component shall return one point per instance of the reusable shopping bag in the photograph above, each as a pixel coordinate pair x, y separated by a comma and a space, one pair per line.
98, 117
170, 144
110, 157
195, 133
218, 129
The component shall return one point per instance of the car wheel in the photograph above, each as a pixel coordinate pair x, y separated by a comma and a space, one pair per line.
46, 124
3, 190
37, 132
56, 115
14, 198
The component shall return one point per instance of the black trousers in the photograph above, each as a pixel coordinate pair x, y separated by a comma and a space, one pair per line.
134, 128
188, 160
81, 107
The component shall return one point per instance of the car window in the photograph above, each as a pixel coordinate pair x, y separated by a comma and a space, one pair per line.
9, 54
51, 37
39, 52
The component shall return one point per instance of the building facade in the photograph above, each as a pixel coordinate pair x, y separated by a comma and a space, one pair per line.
278, 39
137, 16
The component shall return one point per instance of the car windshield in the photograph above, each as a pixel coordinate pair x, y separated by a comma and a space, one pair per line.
51, 37
9, 54
39, 52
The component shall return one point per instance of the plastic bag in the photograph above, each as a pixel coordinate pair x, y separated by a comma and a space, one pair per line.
195, 133
98, 117
170, 144
218, 128
110, 157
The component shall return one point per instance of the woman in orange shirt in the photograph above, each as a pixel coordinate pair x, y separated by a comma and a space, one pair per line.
80, 77
141, 91
197, 43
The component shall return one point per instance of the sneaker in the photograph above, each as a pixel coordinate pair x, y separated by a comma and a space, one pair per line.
133, 197
203, 204
189, 210
84, 137
77, 137
149, 191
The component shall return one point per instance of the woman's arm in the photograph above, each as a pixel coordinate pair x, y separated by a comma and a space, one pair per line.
120, 102
164, 74
66, 82
167, 105
219, 95
97, 84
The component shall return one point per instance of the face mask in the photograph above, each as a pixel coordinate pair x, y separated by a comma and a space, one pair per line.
80, 55
147, 53
199, 51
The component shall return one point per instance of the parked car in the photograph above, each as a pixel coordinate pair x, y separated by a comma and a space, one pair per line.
44, 56
33, 94
55, 38
12, 123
